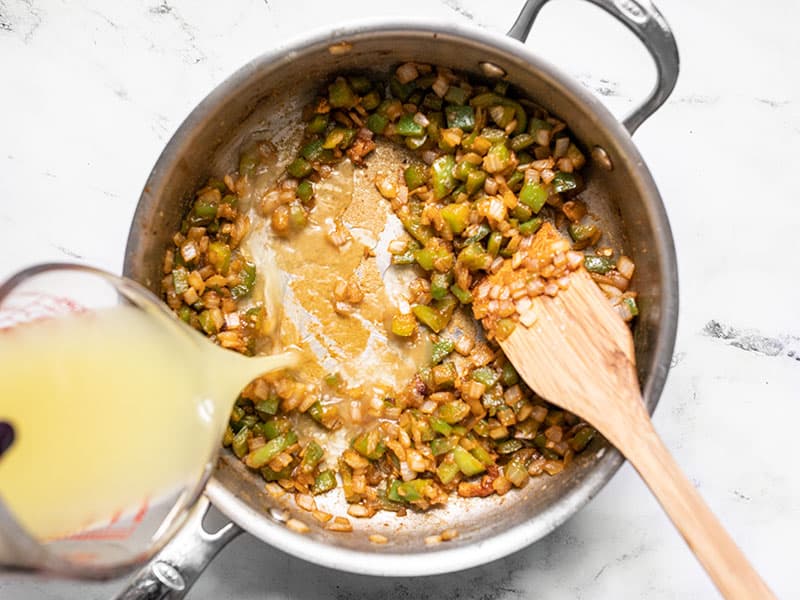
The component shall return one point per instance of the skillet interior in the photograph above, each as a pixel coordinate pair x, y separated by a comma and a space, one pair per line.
270, 92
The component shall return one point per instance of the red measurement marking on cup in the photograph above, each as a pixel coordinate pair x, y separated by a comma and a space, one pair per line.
112, 531
25, 307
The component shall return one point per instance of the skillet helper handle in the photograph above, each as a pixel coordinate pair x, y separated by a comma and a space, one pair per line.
717, 552
644, 20
171, 573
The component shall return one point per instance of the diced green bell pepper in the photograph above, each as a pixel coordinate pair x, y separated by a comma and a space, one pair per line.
305, 191
563, 182
415, 176
442, 178
456, 216
377, 122
340, 95
475, 180
462, 117
474, 257
261, 456
533, 195
407, 126
456, 95
530, 227
268, 406
239, 443
361, 445
317, 124
247, 280
272, 428
598, 264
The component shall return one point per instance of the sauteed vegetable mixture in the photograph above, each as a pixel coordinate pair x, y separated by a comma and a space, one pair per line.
483, 171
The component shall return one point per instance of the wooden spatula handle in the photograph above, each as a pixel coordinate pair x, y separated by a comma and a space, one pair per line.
734, 576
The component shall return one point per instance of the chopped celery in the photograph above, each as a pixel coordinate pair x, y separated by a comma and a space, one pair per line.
404, 325
447, 470
324, 482
452, 412
443, 445
430, 317
467, 464
440, 284
440, 426
463, 296
180, 280
441, 349
504, 328
486, 375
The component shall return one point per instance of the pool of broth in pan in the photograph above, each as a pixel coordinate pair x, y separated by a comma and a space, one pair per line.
305, 268
296, 277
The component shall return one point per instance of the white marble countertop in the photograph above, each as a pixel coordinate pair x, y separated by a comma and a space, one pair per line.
93, 90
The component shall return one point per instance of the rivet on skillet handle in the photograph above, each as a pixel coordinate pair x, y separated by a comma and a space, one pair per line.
172, 572
644, 20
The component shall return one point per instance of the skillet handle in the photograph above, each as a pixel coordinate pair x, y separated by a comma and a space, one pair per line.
170, 574
644, 20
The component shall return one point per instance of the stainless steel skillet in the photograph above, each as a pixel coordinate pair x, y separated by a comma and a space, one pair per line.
272, 89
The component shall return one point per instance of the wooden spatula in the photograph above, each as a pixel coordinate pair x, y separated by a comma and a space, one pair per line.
578, 354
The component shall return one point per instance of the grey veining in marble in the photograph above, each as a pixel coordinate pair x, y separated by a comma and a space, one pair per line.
92, 91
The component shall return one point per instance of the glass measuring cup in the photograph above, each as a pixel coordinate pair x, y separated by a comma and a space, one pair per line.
111, 414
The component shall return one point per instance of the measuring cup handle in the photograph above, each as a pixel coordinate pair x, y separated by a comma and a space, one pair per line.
171, 573
644, 20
